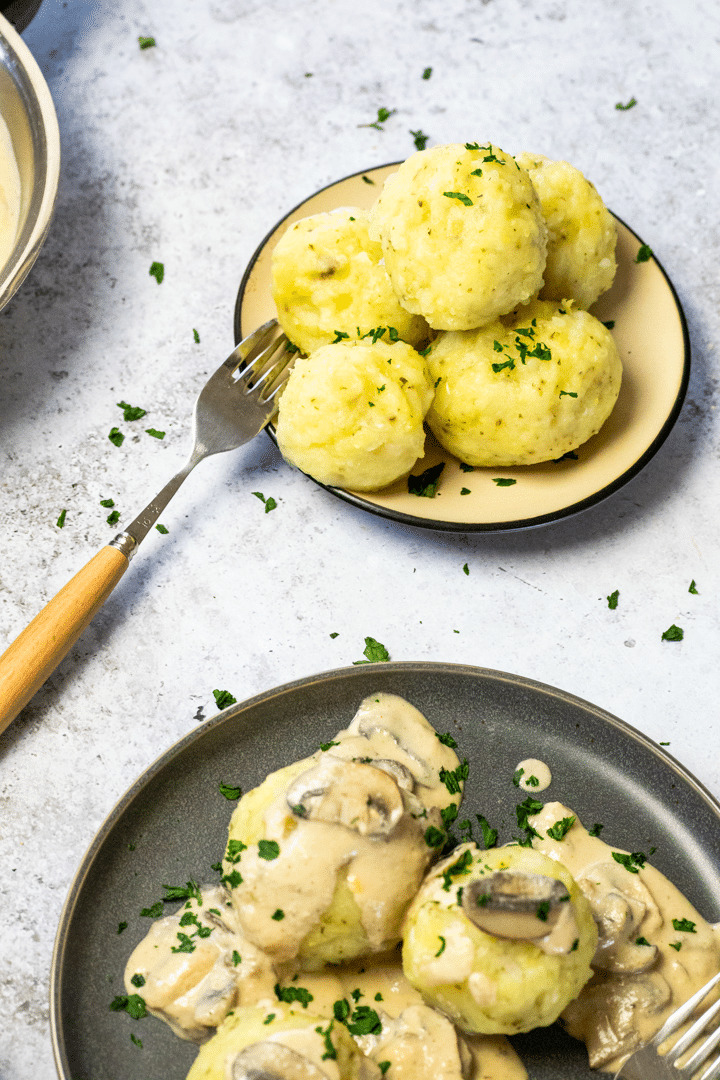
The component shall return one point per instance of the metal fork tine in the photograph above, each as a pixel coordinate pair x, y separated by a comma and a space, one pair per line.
251, 347
692, 1035
680, 1015
713, 1073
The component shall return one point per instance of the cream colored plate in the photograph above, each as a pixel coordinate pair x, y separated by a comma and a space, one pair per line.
651, 336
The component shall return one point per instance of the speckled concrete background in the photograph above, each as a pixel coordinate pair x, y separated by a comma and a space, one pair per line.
187, 153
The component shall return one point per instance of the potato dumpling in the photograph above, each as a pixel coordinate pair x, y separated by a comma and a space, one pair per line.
325, 856
581, 232
462, 233
281, 1042
528, 388
328, 277
530, 960
352, 413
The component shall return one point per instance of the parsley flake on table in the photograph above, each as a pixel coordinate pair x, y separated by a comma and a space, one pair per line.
146, 42
644, 254
196, 336
612, 599
466, 569
113, 517
628, 105
460, 196
503, 481
107, 503
116, 437
693, 588
61, 520
131, 412
420, 139
375, 653
270, 503
425, 484
427, 73
335, 634
223, 698
155, 433
230, 791
157, 270
162, 529
383, 114
673, 633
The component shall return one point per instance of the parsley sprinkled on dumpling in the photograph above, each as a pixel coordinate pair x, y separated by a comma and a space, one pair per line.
352, 413
462, 234
581, 232
328, 278
528, 388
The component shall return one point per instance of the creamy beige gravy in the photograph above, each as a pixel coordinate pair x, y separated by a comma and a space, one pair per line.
533, 770
635, 987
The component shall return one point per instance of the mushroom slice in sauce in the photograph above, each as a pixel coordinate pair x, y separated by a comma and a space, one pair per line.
421, 1043
621, 904
273, 1061
353, 794
516, 905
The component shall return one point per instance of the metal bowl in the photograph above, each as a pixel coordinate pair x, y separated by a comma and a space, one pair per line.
29, 112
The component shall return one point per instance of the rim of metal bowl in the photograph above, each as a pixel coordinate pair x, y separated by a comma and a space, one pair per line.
45, 136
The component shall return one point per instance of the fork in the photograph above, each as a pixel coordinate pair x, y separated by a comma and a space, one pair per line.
648, 1064
234, 405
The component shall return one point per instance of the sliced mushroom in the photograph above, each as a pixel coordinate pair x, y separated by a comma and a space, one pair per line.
516, 905
273, 1061
392, 716
402, 776
348, 793
625, 912
421, 1042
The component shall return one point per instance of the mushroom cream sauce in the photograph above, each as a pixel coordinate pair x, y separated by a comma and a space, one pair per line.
654, 949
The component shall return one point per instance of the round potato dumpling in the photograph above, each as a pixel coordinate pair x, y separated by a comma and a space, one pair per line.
328, 278
581, 232
352, 413
528, 388
500, 941
462, 233
283, 1043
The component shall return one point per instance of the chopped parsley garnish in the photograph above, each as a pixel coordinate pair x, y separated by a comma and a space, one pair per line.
524, 809
434, 837
341, 1009
134, 1039
505, 364
517, 776
236, 958
596, 829
340, 335
268, 849
441, 950
542, 911
269, 1018
61, 520
684, 925
131, 412
561, 828
155, 433
610, 324
327, 745
189, 891
453, 778
367, 179
633, 862
460, 196
383, 114
427, 73
693, 588
465, 491
157, 270
383, 1066
466, 569
532, 781
676, 945
569, 456
644, 254
612, 599
278, 915
289, 994
490, 835
230, 792
116, 436
223, 698
122, 926
335, 634
467, 468
233, 879
196, 336
152, 912
375, 653
138, 979
461, 866
235, 848
270, 503
673, 633
330, 1051
132, 1004
503, 481
425, 484
642, 941
364, 1021
446, 739
420, 139
568, 393
378, 996
628, 104
146, 42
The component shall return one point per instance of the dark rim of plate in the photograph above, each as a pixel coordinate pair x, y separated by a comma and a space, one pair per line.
496, 526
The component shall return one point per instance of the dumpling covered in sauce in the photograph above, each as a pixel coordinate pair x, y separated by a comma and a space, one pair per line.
500, 941
325, 856
284, 1044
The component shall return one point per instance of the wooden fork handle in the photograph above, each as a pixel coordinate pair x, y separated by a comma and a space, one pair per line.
34, 655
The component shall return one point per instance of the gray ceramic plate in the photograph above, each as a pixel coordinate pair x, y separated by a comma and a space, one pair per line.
652, 338
171, 826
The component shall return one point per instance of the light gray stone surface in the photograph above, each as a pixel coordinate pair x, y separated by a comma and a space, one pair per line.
188, 153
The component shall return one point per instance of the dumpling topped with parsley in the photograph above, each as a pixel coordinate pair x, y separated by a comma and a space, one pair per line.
581, 232
500, 941
462, 233
528, 388
329, 283
352, 413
